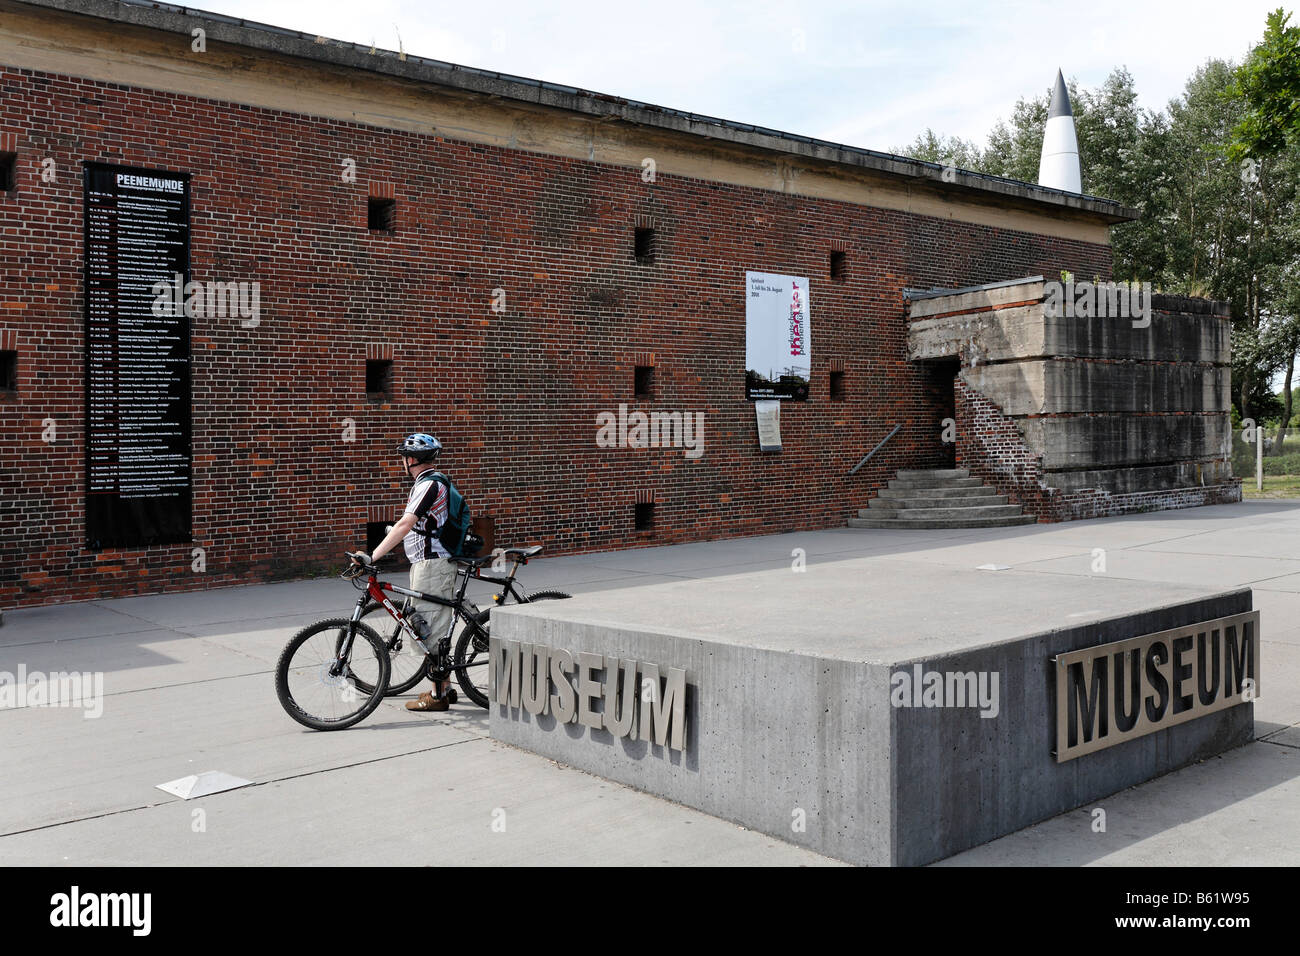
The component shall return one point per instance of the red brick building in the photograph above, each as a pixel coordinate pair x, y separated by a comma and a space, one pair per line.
505, 258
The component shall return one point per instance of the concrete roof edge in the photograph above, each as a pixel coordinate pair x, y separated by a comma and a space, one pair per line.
250, 34
914, 295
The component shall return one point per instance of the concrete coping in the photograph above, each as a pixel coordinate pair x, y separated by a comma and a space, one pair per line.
928, 303
996, 295
278, 40
916, 295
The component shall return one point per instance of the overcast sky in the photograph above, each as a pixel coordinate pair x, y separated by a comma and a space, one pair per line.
864, 73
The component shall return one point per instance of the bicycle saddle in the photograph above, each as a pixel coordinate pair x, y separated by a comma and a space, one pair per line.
522, 552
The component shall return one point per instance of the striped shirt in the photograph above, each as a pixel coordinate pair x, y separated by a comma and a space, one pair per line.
428, 502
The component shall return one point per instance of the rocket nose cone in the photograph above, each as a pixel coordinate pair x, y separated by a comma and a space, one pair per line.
1060, 105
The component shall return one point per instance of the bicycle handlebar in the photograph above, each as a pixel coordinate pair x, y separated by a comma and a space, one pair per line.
355, 569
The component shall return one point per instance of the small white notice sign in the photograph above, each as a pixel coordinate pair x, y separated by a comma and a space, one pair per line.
768, 412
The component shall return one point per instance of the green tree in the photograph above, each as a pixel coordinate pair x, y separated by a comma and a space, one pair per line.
1014, 150
1209, 225
1269, 85
944, 150
1227, 228
1116, 160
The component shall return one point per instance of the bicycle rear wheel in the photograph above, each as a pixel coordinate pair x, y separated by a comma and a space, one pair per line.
317, 690
406, 657
547, 596
469, 661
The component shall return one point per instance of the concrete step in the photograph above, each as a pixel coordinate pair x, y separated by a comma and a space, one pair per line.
941, 524
892, 504
902, 483
974, 491
909, 474
922, 514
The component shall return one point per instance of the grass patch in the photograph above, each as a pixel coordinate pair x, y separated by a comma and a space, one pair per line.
1275, 486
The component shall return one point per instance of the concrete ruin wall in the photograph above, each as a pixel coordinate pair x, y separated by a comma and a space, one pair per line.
1078, 417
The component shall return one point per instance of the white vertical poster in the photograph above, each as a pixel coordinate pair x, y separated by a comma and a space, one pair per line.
778, 336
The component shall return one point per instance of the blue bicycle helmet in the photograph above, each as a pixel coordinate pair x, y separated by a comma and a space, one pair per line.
420, 446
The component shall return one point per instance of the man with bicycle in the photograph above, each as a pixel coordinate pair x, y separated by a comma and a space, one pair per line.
432, 570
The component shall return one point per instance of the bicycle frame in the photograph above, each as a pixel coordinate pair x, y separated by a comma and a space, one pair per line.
507, 583
378, 591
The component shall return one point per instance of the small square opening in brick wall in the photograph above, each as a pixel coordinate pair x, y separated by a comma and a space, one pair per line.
643, 382
8, 371
381, 214
8, 172
643, 246
376, 531
839, 265
379, 380
837, 385
644, 519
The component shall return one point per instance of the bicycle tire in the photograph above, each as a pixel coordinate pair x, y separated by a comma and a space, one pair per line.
406, 668
547, 596
313, 665
472, 653
467, 655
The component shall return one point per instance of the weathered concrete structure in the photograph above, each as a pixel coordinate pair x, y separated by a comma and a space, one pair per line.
1082, 416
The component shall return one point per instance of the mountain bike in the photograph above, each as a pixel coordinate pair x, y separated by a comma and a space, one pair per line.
409, 663
334, 673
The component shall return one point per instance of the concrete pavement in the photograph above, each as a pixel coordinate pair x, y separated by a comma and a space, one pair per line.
188, 687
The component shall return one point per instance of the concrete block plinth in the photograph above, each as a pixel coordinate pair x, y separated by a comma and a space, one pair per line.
803, 704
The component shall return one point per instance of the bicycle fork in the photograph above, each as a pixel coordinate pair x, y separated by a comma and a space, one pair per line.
375, 593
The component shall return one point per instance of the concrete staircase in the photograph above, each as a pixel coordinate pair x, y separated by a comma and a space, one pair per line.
939, 498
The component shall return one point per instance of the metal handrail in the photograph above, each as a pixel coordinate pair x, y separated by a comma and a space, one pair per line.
879, 446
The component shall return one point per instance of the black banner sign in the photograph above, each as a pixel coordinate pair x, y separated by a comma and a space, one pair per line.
138, 427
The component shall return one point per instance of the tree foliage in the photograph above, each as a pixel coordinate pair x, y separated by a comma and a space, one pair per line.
1268, 83
1214, 177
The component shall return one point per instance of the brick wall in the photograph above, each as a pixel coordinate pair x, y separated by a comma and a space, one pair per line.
513, 394
991, 446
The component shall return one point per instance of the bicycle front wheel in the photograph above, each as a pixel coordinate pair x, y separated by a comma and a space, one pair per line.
319, 690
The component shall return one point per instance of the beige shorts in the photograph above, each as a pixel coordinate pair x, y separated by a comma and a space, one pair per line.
434, 576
